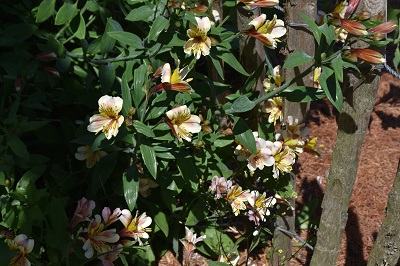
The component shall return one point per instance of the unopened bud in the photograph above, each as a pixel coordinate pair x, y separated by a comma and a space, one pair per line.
132, 111
7, 183
18, 84
51, 71
45, 57
199, 9
364, 15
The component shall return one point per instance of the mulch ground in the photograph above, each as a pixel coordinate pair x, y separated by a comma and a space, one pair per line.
377, 169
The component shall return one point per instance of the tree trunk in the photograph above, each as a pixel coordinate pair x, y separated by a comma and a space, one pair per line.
298, 39
386, 250
352, 126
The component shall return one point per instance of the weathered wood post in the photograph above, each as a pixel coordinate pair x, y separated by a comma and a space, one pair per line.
298, 39
352, 126
251, 55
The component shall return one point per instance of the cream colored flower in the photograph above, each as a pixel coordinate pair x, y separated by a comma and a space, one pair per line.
189, 244
274, 107
267, 31
182, 123
199, 42
262, 158
91, 157
278, 77
237, 198
135, 228
173, 81
144, 186
109, 119
25, 246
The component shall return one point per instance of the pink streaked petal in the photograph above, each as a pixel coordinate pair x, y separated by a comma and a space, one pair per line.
88, 248
192, 127
111, 102
166, 73
109, 236
126, 217
173, 113
203, 24
258, 21
267, 40
188, 46
144, 221
278, 31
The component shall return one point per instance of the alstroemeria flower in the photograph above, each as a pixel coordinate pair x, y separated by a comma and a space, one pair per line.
277, 76
182, 123
25, 246
173, 81
236, 197
189, 244
267, 31
345, 8
283, 159
368, 55
262, 158
351, 26
91, 157
220, 186
83, 211
109, 119
95, 237
199, 42
260, 206
109, 217
261, 3
135, 228
274, 107
378, 33
111, 255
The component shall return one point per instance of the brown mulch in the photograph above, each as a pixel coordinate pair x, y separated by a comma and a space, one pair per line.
377, 169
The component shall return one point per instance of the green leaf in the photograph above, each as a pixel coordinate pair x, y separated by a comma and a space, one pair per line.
337, 66
217, 263
217, 65
219, 143
138, 93
314, 27
331, 87
127, 38
45, 10
253, 77
197, 213
302, 94
66, 13
144, 129
189, 172
126, 96
98, 140
18, 147
328, 32
231, 60
108, 43
161, 220
130, 183
242, 104
32, 125
106, 76
244, 135
149, 159
158, 106
29, 178
103, 171
158, 26
142, 13
81, 31
296, 59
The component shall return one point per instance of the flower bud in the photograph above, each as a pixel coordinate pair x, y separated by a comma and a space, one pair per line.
45, 57
51, 71
18, 84
365, 15
383, 28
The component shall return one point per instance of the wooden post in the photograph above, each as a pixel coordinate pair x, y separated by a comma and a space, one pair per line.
298, 39
251, 55
352, 126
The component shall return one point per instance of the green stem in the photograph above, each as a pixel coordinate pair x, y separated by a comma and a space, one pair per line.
104, 61
278, 90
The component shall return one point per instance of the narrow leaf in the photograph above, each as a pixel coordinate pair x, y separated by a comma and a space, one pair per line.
242, 104
161, 220
66, 13
296, 59
231, 60
18, 147
81, 31
144, 129
127, 38
331, 87
149, 159
45, 10
158, 26
314, 27
337, 65
106, 76
244, 135
126, 95
140, 14
130, 184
